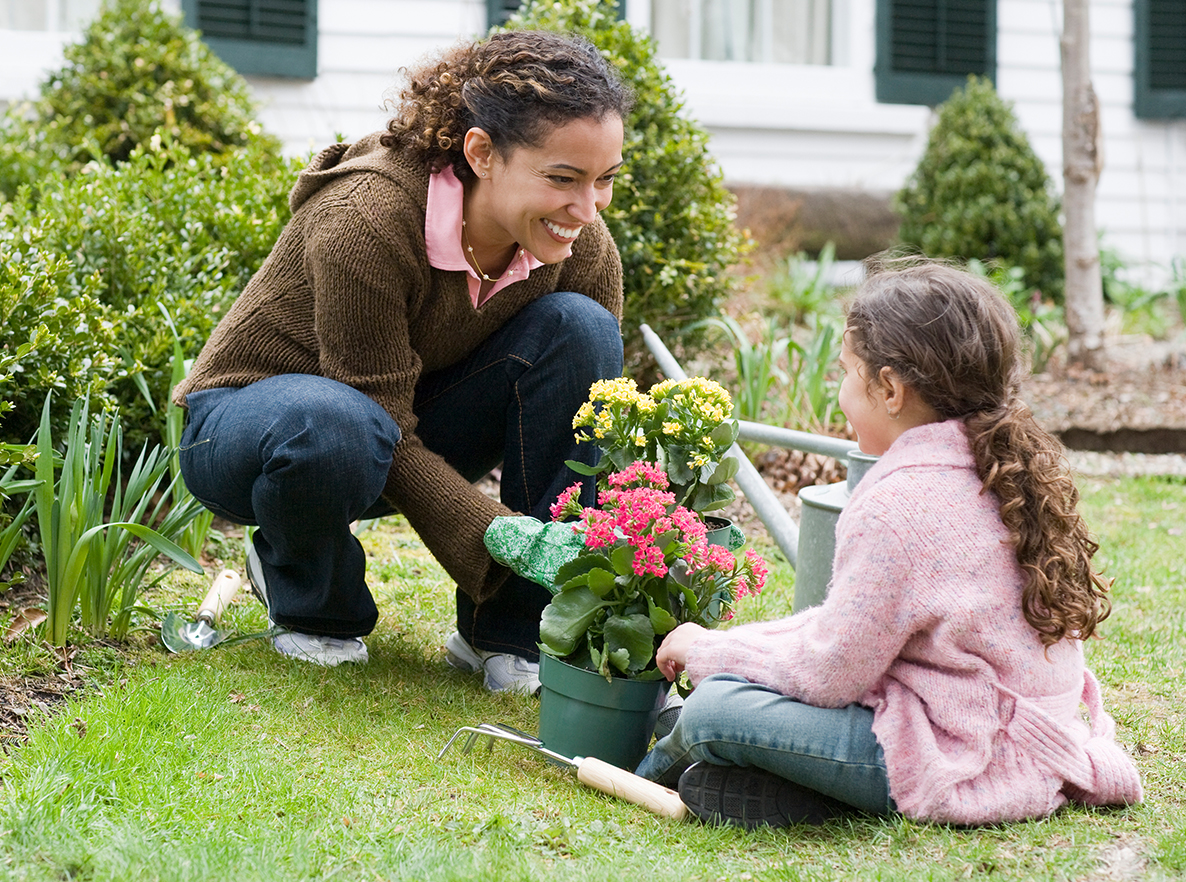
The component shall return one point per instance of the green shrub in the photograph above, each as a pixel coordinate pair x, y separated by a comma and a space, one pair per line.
981, 192
137, 71
167, 228
54, 333
671, 216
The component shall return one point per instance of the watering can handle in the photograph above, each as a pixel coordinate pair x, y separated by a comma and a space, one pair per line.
602, 776
226, 585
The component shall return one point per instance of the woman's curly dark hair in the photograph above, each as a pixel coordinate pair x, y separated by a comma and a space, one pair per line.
955, 340
516, 86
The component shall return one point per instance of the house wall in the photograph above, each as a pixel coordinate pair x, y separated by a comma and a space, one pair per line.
799, 126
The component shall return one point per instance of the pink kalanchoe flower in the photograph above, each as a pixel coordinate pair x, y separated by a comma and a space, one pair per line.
599, 529
689, 525
758, 566
648, 559
565, 504
641, 473
719, 558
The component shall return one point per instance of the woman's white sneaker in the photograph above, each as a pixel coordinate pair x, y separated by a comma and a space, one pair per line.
328, 651
503, 672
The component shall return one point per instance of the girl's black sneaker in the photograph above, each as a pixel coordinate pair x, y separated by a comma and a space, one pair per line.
750, 797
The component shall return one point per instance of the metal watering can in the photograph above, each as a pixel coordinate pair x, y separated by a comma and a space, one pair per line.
822, 505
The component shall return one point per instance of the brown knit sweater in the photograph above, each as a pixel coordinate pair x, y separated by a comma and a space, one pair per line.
347, 293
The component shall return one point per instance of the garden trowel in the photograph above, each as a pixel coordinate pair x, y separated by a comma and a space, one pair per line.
202, 633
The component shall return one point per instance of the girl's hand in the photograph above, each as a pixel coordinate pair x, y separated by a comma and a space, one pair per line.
673, 653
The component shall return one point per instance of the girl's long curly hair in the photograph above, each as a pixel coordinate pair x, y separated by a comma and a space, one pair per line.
955, 340
516, 86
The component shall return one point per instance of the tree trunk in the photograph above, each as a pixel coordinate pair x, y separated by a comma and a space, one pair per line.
1082, 161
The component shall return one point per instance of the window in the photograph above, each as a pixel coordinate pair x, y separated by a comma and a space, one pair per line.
46, 15
269, 37
927, 48
779, 31
1160, 52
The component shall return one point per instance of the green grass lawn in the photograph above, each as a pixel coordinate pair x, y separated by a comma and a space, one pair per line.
239, 764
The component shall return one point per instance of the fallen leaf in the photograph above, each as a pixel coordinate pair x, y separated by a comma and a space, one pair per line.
27, 618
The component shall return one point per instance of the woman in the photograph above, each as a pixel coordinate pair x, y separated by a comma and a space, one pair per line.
440, 302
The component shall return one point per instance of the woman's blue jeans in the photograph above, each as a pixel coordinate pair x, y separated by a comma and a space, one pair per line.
728, 720
301, 457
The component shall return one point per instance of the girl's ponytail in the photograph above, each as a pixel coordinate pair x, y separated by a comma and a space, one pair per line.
1024, 466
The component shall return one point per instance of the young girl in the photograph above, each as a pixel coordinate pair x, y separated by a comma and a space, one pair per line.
943, 675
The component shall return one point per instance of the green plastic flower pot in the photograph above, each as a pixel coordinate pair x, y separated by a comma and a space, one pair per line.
583, 714
720, 531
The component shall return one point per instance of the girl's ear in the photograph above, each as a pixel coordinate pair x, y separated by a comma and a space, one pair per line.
893, 391
479, 151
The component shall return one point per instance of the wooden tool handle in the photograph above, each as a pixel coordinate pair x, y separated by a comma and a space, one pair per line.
661, 800
226, 585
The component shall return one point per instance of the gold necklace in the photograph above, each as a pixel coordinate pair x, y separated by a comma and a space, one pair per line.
473, 259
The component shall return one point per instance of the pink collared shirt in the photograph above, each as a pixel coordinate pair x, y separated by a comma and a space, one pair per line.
442, 237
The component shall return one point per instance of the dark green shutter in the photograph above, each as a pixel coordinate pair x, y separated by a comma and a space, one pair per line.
498, 11
269, 37
1160, 52
927, 48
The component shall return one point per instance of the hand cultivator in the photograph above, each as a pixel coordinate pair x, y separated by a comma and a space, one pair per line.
591, 771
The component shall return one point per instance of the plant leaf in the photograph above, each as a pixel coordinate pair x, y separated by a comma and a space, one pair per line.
601, 582
566, 619
725, 470
661, 620
623, 560
632, 635
582, 469
27, 618
578, 566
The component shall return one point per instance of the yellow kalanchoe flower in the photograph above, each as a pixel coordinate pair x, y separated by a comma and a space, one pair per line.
670, 428
616, 391
584, 415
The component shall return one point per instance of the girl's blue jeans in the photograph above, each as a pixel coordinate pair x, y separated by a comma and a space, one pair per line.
301, 457
728, 720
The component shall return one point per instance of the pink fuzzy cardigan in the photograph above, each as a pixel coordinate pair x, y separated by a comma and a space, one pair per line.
923, 624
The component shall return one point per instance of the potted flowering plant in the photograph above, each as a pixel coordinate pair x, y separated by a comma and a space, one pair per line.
633, 569
683, 426
644, 565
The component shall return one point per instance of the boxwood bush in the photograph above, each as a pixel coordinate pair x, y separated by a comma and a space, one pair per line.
671, 216
170, 234
981, 192
140, 191
136, 72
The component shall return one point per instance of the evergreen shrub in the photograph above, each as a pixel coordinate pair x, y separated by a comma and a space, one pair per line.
163, 241
137, 71
671, 216
54, 334
142, 195
980, 192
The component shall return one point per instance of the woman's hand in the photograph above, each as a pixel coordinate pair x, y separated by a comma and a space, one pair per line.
673, 653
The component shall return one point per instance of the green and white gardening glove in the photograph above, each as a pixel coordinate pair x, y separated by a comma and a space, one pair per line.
531, 548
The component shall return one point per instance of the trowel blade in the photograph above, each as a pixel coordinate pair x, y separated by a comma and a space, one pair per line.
179, 635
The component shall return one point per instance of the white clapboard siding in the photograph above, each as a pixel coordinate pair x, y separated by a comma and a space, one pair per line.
790, 125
